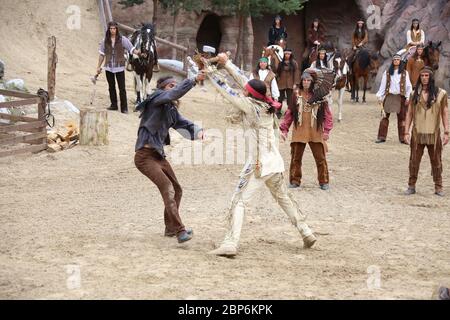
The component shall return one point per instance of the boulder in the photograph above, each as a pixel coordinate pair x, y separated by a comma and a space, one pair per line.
16, 84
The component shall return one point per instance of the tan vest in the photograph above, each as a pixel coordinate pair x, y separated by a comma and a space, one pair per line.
416, 37
267, 81
306, 130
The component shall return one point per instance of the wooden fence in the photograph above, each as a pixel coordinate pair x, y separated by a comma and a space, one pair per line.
35, 129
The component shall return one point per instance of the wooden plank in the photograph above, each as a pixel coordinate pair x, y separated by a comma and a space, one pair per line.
51, 67
171, 44
101, 10
16, 118
108, 10
25, 138
158, 39
17, 94
181, 72
23, 126
27, 149
17, 103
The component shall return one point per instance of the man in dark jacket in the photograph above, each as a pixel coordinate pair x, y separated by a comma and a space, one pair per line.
159, 113
277, 32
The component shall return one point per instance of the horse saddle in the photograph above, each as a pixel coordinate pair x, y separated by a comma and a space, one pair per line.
392, 103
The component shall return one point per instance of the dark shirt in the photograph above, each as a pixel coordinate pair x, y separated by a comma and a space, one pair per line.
159, 114
276, 34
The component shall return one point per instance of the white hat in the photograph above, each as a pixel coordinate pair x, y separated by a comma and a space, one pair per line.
209, 49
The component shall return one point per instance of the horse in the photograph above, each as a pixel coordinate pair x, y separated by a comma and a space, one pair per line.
365, 64
275, 54
340, 67
142, 65
431, 54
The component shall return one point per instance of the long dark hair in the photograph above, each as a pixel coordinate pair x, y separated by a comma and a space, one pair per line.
259, 68
401, 68
290, 64
363, 29
318, 64
108, 43
412, 25
320, 26
294, 107
433, 91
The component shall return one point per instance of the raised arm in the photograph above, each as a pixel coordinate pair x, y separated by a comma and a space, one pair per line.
176, 93
236, 73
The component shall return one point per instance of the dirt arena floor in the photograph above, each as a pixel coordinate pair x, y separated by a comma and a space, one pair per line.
86, 224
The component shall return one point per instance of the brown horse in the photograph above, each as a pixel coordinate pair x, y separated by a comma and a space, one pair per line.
275, 54
431, 54
365, 64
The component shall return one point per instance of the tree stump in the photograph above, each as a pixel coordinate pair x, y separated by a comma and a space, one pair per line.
93, 127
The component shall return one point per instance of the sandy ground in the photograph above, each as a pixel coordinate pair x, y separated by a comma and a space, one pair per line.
90, 210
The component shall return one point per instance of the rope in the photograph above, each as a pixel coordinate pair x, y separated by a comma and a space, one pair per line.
48, 116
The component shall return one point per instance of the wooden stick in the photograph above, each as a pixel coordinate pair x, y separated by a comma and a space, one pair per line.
51, 67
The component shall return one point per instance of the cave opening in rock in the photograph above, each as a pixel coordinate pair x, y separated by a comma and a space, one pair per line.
210, 32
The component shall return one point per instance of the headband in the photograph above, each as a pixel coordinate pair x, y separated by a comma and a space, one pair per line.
166, 82
426, 70
264, 59
260, 96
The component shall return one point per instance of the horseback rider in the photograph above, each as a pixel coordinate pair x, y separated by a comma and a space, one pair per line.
316, 36
414, 37
277, 32
322, 61
360, 38
415, 64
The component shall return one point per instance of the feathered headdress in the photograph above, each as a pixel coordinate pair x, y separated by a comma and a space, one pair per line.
323, 83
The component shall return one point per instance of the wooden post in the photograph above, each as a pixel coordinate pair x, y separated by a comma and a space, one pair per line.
93, 127
108, 10
101, 9
51, 67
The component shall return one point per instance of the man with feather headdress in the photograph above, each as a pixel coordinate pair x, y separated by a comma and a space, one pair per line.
313, 122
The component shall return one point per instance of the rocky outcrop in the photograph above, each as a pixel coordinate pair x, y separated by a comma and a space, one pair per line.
396, 16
